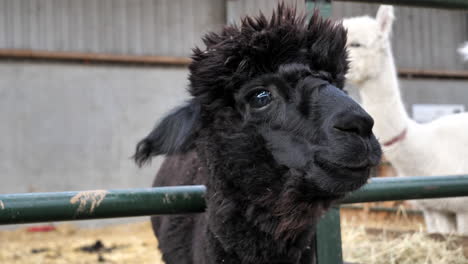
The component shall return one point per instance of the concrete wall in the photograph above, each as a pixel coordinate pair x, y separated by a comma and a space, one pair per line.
74, 127
417, 91
423, 91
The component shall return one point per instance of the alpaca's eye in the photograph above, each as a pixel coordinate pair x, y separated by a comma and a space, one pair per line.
260, 99
355, 45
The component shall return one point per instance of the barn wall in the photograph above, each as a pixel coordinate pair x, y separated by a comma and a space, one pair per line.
423, 38
71, 126
418, 91
75, 127
137, 27
423, 91
239, 8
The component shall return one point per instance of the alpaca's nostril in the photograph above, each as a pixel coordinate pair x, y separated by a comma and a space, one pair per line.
349, 129
359, 123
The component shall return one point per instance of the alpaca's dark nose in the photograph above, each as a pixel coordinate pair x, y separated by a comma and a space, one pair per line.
357, 122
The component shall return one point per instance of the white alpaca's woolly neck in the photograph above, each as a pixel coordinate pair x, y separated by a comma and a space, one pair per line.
380, 96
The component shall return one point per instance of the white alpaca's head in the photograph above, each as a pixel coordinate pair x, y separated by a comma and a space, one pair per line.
368, 44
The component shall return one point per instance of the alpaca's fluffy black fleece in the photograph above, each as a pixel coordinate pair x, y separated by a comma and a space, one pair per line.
258, 210
259, 46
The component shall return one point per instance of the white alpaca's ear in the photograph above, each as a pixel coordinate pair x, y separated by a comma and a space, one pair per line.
385, 18
463, 50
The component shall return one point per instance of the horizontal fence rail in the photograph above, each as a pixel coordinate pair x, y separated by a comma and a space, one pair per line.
64, 206
410, 188
61, 206
443, 4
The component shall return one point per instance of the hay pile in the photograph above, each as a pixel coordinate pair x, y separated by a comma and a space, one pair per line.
397, 238
384, 247
400, 220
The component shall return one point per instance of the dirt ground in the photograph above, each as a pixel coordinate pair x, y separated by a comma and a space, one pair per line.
67, 244
373, 238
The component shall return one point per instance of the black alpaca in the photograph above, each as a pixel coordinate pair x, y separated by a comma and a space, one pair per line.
271, 134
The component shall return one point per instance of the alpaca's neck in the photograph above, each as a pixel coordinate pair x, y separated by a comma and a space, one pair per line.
237, 237
255, 225
258, 211
382, 100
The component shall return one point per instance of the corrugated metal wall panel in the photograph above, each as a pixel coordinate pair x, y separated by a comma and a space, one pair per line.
148, 39
3, 22
239, 8
423, 38
137, 27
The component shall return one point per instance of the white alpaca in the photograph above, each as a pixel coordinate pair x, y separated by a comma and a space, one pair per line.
436, 148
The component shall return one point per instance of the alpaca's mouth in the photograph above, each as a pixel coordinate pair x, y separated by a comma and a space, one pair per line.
337, 179
342, 170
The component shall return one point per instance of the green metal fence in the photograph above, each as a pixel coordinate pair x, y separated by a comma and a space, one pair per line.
385, 189
65, 206
95, 204
62, 206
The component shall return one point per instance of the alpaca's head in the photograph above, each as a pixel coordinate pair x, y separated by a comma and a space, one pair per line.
268, 96
368, 44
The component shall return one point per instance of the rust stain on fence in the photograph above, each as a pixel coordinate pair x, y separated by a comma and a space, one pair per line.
88, 200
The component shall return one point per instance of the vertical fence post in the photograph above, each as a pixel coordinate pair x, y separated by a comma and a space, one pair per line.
324, 7
328, 238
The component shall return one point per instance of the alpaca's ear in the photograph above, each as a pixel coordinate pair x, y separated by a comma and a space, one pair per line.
174, 134
385, 18
463, 50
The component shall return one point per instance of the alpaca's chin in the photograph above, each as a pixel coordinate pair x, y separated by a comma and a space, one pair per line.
356, 77
354, 80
